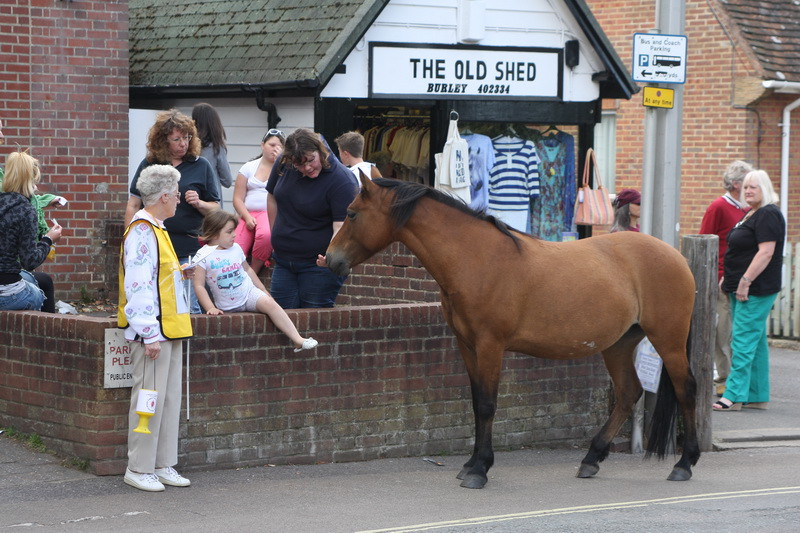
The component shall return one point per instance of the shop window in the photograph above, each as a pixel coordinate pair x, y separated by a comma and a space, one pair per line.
397, 140
605, 146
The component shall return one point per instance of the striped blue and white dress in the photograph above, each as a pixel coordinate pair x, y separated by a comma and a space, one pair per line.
514, 180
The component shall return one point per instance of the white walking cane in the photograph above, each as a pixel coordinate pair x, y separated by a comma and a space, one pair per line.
201, 254
188, 341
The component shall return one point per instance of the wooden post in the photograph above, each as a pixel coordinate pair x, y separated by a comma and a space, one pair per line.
702, 251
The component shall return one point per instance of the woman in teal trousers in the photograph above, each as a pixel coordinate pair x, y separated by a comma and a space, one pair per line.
752, 279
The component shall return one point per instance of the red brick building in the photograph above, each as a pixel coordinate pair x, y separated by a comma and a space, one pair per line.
733, 46
64, 87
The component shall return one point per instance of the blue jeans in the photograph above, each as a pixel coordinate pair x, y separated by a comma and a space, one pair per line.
30, 297
302, 284
194, 303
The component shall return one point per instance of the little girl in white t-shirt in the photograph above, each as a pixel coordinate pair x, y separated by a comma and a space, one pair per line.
234, 285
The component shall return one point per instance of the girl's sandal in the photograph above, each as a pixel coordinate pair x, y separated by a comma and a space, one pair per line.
308, 344
720, 406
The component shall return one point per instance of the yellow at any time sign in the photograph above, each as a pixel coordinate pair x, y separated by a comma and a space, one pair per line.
658, 97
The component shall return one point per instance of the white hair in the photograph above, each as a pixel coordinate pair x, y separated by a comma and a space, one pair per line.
156, 180
761, 178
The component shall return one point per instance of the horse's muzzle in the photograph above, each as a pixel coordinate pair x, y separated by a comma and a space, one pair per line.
337, 264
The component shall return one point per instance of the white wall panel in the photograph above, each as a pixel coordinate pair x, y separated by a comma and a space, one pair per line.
526, 23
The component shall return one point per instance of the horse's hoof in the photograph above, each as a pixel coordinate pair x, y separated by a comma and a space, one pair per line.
680, 474
473, 481
587, 470
463, 472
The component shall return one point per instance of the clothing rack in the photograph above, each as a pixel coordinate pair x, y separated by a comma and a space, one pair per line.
395, 139
390, 115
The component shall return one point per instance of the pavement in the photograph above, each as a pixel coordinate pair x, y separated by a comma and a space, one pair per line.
31, 481
777, 426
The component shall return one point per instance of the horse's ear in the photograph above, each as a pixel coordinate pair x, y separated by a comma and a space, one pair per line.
366, 182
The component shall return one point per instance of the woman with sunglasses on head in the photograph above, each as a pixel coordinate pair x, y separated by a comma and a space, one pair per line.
309, 192
173, 140
250, 201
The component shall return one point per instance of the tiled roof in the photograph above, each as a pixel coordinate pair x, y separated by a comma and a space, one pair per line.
278, 43
232, 42
772, 30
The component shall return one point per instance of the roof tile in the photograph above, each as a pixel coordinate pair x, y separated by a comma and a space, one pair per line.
297, 39
772, 30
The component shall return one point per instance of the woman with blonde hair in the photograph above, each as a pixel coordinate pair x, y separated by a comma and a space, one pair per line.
752, 278
21, 249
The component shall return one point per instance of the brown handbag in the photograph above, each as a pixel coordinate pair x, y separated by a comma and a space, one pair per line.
593, 206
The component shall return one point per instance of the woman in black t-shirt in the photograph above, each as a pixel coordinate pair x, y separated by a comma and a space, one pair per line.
172, 140
752, 278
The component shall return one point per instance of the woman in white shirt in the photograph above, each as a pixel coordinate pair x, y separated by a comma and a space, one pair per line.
250, 201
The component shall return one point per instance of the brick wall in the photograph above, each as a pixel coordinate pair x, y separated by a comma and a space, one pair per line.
384, 382
64, 80
394, 275
717, 127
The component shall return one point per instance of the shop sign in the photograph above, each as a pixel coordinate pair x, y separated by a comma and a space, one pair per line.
453, 72
118, 368
658, 97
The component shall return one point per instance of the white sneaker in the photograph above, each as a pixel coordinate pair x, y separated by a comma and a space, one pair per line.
308, 344
148, 482
168, 476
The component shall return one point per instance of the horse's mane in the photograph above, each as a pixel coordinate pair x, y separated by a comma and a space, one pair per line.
407, 194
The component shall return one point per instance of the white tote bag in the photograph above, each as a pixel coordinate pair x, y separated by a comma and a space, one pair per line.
452, 165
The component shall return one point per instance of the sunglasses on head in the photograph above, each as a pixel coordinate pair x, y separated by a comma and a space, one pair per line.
273, 133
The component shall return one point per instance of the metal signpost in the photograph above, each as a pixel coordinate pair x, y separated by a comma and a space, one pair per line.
660, 58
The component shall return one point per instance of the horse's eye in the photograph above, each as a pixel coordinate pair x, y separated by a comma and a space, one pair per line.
351, 214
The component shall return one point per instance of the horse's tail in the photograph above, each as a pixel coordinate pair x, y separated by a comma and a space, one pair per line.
662, 426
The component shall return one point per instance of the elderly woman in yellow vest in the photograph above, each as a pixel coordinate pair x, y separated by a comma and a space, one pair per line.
154, 311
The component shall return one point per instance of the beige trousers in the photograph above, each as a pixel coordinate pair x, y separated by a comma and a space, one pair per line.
159, 448
722, 342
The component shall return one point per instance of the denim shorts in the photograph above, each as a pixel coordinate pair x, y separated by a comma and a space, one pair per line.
24, 295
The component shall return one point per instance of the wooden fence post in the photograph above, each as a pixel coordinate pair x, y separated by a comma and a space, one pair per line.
702, 251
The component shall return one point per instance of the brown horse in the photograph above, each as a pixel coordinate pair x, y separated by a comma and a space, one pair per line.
503, 290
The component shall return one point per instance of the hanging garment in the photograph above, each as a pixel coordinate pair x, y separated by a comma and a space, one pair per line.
551, 212
481, 161
452, 166
513, 181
